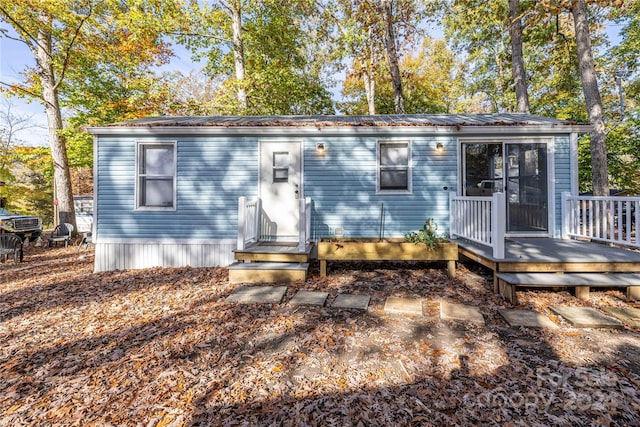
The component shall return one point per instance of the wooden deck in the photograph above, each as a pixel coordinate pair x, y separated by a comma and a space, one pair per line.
554, 255
533, 262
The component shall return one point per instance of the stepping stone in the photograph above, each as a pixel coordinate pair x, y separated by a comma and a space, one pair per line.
630, 316
351, 301
403, 305
309, 298
258, 294
465, 313
581, 317
527, 319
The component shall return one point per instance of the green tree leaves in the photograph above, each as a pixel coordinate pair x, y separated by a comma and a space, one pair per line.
319, 57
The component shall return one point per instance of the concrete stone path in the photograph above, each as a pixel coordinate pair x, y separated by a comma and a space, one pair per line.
465, 313
258, 294
578, 317
630, 316
403, 305
309, 298
527, 319
351, 301
581, 317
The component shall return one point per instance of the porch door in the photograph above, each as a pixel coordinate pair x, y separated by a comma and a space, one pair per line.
519, 169
280, 190
527, 198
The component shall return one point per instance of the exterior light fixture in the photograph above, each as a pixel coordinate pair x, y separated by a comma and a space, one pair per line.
439, 147
321, 148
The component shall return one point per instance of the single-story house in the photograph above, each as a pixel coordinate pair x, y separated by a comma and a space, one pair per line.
177, 191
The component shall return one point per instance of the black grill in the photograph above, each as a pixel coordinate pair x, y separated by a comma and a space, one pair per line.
26, 224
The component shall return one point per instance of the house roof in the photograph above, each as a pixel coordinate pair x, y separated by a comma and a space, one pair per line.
443, 122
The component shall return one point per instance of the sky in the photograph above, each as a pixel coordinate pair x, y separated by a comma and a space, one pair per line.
15, 56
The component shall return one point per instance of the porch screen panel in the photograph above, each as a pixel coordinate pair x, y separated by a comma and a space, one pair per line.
518, 169
527, 189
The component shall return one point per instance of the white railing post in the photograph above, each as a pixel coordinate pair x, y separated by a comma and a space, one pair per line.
567, 215
302, 224
453, 215
241, 223
257, 219
499, 224
307, 209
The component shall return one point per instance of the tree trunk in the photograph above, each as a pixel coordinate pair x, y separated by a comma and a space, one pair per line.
517, 60
390, 45
369, 86
369, 76
592, 100
62, 179
238, 52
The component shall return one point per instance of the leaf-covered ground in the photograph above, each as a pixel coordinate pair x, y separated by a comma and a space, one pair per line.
161, 347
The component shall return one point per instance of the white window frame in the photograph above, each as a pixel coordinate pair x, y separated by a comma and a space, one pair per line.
139, 147
409, 166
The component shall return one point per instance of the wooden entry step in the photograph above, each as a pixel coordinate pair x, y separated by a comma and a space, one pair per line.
509, 282
274, 252
267, 272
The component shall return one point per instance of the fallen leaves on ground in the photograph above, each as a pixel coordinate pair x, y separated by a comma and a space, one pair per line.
162, 347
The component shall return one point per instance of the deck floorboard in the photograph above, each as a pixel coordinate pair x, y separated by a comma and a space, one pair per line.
541, 250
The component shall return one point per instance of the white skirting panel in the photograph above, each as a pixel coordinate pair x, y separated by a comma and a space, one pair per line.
131, 256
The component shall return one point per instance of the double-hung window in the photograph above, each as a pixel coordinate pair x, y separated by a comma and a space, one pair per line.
394, 167
156, 175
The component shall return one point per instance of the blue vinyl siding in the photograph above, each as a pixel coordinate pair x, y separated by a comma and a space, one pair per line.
213, 172
562, 175
211, 175
342, 186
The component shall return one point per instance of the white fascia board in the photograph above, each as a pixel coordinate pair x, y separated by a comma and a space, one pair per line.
344, 130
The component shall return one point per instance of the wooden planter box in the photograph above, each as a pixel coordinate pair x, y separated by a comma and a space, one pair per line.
385, 250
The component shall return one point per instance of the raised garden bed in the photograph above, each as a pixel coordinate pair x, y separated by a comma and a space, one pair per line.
384, 250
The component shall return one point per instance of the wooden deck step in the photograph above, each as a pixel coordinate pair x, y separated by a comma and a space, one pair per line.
267, 272
508, 282
273, 252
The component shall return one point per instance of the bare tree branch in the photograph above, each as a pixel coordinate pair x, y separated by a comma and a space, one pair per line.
206, 36
70, 46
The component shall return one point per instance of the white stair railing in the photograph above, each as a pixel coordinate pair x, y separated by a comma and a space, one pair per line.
248, 222
304, 224
250, 219
612, 219
479, 219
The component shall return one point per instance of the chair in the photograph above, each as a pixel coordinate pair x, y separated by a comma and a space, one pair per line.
10, 244
86, 241
62, 233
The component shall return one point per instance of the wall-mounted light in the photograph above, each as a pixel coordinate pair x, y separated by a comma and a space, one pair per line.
321, 148
439, 147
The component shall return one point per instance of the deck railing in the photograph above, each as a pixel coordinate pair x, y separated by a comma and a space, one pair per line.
251, 222
606, 219
479, 219
248, 221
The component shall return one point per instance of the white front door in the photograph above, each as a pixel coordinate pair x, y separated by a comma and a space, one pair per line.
280, 190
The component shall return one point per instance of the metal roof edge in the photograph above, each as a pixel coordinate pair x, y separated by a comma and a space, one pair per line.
339, 130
